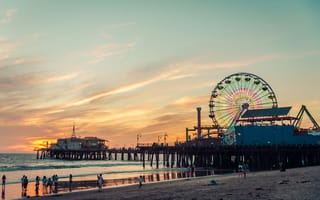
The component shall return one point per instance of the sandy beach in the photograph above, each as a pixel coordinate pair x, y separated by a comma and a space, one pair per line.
298, 183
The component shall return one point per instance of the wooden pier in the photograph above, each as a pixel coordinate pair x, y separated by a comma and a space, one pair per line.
201, 153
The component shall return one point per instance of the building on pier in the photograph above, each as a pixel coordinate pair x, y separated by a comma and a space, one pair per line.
273, 126
75, 148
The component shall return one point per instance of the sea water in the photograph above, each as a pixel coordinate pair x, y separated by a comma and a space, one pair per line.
14, 166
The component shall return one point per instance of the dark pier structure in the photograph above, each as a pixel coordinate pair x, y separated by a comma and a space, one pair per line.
203, 153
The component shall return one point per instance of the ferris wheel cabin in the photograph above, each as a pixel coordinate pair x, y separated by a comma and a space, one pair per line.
273, 126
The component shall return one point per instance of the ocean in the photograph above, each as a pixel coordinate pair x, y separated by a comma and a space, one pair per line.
14, 166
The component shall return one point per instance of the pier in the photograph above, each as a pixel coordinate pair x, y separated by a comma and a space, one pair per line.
201, 153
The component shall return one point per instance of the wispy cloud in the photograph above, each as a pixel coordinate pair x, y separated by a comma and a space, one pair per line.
6, 48
10, 12
181, 76
101, 52
7, 16
32, 79
122, 89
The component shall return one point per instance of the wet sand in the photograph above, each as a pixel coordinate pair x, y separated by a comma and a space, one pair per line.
298, 183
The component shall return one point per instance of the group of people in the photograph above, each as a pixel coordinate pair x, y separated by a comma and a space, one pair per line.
24, 182
46, 182
52, 183
49, 182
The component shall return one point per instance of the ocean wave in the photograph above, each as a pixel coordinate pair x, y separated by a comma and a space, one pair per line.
4, 168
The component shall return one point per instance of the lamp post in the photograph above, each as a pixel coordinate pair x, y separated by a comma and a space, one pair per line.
138, 137
165, 138
159, 137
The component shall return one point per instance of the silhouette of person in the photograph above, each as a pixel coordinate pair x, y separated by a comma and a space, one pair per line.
4, 179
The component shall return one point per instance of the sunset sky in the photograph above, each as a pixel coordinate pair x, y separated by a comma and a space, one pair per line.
119, 68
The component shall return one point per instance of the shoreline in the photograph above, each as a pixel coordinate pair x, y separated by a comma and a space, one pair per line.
14, 191
296, 183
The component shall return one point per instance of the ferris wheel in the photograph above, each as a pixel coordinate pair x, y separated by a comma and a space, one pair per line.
237, 93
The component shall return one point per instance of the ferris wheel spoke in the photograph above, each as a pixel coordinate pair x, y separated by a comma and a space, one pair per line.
226, 121
233, 86
260, 93
265, 96
226, 93
223, 95
220, 106
227, 109
227, 115
224, 115
222, 102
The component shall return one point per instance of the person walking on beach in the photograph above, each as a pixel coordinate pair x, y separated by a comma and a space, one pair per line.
140, 181
49, 184
44, 184
55, 179
4, 179
25, 183
37, 183
44, 181
100, 182
22, 182
70, 182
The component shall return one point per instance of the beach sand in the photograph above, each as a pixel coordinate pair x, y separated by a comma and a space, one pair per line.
298, 183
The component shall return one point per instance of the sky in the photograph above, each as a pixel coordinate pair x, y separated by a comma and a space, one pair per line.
116, 69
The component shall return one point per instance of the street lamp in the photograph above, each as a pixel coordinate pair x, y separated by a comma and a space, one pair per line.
165, 138
138, 137
159, 137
